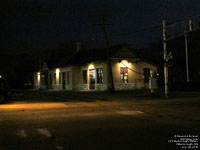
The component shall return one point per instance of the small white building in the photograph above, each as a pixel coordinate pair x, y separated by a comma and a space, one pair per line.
89, 70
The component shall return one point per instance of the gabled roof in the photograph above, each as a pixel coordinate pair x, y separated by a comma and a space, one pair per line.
92, 55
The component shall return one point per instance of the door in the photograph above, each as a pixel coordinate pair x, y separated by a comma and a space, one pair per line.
63, 80
92, 78
146, 75
46, 83
50, 81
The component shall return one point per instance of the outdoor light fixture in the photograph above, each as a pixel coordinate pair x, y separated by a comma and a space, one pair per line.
0, 76
38, 77
57, 74
91, 66
124, 63
57, 71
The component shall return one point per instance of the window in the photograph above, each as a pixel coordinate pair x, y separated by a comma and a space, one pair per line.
50, 80
59, 77
67, 77
99, 75
84, 76
146, 75
124, 74
54, 78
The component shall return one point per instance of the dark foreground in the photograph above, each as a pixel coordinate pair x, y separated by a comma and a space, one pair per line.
111, 125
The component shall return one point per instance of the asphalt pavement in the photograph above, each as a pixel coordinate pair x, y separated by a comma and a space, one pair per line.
112, 125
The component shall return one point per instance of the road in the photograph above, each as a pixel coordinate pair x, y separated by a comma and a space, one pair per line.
117, 125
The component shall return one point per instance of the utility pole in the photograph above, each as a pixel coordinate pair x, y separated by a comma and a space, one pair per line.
186, 49
193, 26
186, 57
165, 59
104, 24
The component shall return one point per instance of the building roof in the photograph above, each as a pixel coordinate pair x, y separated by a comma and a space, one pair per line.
92, 55
101, 54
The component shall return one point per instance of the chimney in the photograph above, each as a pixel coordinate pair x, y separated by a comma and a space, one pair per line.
78, 46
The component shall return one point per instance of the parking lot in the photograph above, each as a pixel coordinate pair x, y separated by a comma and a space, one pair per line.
116, 124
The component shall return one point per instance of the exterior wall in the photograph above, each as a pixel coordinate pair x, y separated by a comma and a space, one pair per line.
56, 84
101, 87
127, 86
76, 78
65, 70
36, 81
76, 82
39, 81
152, 68
135, 75
81, 87
95, 65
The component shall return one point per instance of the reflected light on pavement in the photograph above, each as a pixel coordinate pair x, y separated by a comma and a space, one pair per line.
32, 105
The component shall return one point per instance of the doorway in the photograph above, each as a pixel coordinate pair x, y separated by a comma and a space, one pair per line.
92, 79
50, 81
63, 80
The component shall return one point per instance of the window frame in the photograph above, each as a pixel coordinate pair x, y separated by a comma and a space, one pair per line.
67, 77
99, 75
123, 74
59, 78
84, 76
54, 78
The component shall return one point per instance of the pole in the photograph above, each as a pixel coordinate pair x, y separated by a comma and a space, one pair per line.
40, 65
165, 59
110, 74
105, 32
186, 55
150, 81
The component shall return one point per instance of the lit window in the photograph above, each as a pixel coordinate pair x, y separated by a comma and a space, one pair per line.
124, 74
99, 75
84, 76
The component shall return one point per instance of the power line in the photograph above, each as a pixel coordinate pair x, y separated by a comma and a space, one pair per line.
103, 23
132, 69
182, 21
150, 29
140, 30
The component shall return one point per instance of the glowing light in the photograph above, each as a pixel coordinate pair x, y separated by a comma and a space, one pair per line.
0, 76
57, 71
38, 77
91, 66
57, 75
124, 63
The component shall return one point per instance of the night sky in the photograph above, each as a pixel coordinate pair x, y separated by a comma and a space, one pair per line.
36, 25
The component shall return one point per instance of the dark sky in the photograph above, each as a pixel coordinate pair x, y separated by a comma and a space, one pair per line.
35, 25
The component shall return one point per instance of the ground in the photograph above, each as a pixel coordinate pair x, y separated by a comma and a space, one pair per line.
113, 124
